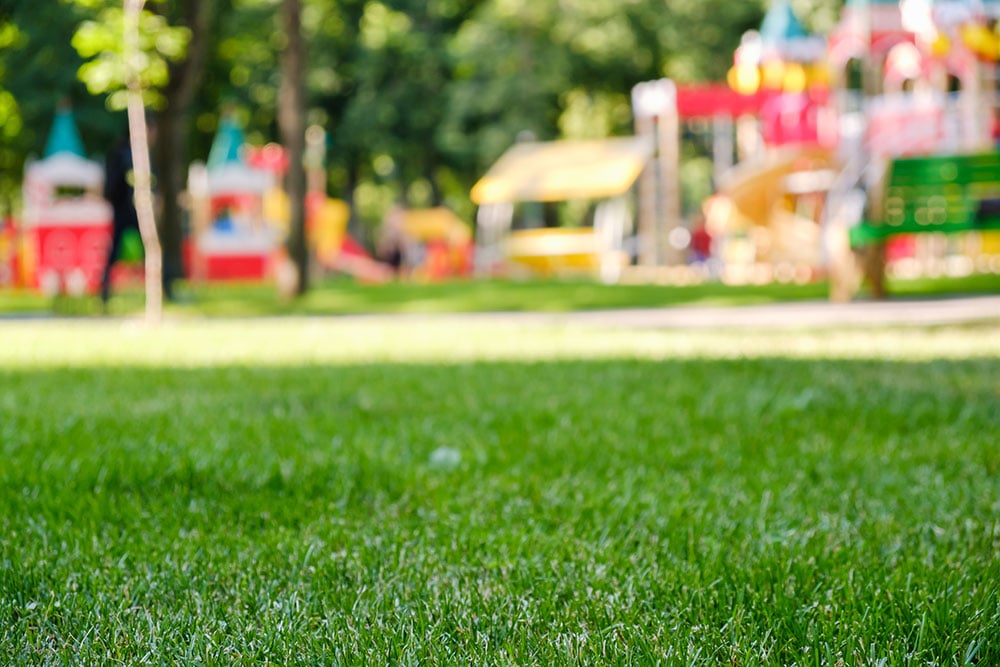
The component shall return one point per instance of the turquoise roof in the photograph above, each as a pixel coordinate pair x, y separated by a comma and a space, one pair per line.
64, 137
227, 145
781, 24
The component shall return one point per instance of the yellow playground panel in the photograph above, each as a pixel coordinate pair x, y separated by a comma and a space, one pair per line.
326, 219
555, 250
762, 189
556, 171
767, 212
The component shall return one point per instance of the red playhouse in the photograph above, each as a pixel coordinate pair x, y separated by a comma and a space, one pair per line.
67, 223
230, 237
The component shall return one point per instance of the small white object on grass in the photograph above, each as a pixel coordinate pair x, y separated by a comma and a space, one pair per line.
445, 458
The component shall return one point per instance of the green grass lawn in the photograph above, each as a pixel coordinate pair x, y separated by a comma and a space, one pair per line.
328, 491
344, 296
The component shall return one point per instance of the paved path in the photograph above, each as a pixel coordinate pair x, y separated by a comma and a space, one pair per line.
811, 314
807, 314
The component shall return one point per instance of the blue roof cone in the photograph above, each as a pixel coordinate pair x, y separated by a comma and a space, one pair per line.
227, 145
64, 137
781, 24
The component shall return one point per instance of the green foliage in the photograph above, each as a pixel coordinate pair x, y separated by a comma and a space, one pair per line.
547, 496
100, 41
37, 73
11, 123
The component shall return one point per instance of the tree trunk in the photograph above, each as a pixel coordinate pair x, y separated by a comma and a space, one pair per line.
169, 156
140, 164
291, 118
171, 145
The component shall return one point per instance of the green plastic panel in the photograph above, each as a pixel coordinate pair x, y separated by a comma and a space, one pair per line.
947, 194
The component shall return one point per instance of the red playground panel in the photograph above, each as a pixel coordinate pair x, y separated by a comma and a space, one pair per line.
205, 262
70, 258
235, 267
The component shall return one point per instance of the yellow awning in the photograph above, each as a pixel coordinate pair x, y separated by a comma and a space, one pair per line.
561, 170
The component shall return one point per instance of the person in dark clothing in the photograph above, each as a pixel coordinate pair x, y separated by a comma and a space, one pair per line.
120, 192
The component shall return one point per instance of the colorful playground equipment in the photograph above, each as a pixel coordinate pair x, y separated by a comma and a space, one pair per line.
879, 137
911, 112
930, 197
238, 221
436, 244
927, 163
8, 253
66, 222
240, 214
230, 237
601, 171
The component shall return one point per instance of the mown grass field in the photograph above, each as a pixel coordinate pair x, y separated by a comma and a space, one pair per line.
422, 491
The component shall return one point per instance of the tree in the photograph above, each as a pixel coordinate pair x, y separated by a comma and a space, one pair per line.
132, 58
292, 119
10, 120
129, 48
173, 136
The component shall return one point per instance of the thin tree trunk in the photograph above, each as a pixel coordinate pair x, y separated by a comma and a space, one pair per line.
291, 118
140, 165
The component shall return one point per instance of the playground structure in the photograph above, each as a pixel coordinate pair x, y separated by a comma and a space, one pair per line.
66, 222
558, 171
878, 139
812, 137
240, 219
237, 221
928, 164
230, 236
435, 244
906, 87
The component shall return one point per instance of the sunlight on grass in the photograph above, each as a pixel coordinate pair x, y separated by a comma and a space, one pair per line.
417, 339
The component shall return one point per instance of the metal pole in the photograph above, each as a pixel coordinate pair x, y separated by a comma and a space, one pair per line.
668, 137
647, 201
654, 105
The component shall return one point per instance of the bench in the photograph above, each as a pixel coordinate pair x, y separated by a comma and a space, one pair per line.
938, 194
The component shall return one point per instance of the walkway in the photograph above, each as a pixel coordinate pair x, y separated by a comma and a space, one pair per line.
810, 314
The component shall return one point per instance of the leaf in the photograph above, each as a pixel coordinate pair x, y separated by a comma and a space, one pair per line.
93, 38
101, 41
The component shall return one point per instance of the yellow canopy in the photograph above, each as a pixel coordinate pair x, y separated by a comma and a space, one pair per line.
561, 170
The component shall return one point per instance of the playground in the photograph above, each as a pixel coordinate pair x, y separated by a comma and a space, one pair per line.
812, 182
